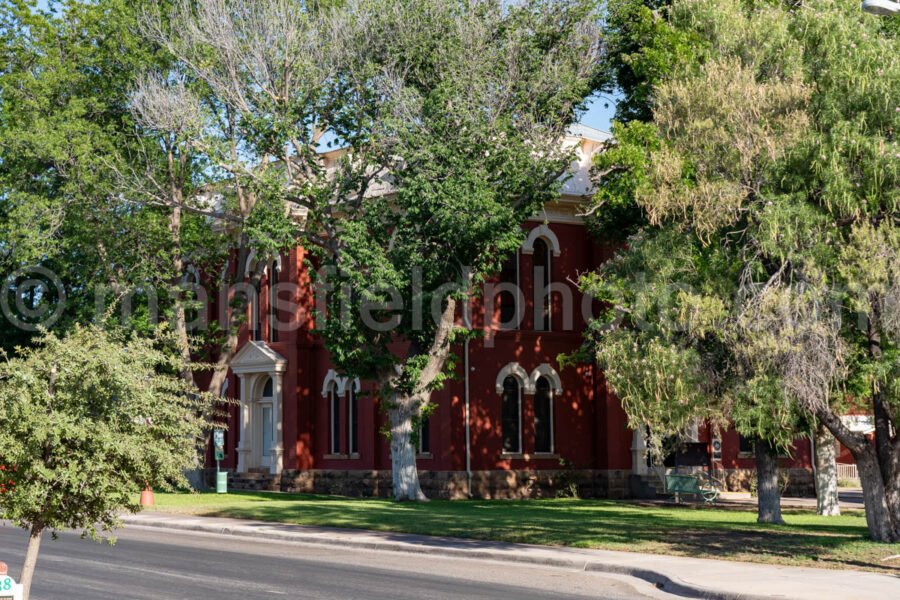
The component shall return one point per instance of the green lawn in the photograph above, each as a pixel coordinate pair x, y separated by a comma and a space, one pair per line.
809, 540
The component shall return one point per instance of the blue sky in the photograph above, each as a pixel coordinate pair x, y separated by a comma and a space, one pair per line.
599, 113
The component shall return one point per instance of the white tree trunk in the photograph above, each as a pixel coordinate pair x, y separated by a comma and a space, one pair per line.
403, 455
826, 474
882, 520
31, 556
768, 491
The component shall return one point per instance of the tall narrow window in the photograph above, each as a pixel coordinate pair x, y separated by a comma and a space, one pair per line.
268, 421
511, 423
334, 400
273, 302
255, 325
509, 275
425, 436
543, 417
353, 421
541, 285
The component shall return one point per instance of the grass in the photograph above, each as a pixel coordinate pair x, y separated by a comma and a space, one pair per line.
724, 533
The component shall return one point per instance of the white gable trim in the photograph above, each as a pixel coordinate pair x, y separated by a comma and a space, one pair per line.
257, 357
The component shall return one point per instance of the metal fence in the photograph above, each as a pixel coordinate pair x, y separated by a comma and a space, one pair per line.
847, 472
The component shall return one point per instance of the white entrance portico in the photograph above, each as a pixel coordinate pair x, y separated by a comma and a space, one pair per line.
261, 443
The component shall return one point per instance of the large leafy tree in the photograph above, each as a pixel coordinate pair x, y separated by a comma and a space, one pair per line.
450, 116
772, 177
88, 421
66, 74
479, 103
102, 193
93, 224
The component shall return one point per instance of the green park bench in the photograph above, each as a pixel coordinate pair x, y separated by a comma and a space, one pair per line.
692, 485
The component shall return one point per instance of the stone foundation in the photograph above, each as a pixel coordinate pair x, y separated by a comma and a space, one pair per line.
452, 485
498, 485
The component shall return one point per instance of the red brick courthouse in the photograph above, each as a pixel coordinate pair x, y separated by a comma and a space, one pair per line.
513, 423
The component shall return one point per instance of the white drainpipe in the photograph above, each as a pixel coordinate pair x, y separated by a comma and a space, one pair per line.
468, 319
468, 436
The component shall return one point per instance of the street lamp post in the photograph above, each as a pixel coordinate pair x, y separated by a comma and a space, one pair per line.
883, 8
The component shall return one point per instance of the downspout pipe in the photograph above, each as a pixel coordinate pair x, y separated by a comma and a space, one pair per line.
467, 320
468, 426
467, 317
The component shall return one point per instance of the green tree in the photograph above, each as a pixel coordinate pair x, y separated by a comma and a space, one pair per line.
775, 170
91, 198
89, 420
63, 117
477, 109
449, 117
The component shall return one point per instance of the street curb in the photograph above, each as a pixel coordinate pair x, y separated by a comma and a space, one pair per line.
661, 581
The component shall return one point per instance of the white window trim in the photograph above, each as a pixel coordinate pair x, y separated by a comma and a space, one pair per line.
542, 231
330, 377
546, 370
516, 370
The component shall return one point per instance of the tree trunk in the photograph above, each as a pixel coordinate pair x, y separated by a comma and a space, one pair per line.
878, 516
403, 455
768, 490
892, 497
880, 519
404, 407
31, 556
885, 475
826, 474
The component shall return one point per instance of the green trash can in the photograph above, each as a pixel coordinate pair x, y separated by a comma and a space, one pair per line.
222, 482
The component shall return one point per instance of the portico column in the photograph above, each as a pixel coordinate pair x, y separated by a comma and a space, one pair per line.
244, 445
278, 450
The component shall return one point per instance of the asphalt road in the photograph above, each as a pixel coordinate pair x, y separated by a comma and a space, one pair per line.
158, 564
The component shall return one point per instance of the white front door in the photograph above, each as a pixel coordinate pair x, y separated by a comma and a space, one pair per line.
267, 435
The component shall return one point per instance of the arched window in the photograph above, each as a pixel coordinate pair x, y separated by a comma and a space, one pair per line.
511, 416
509, 275
274, 272
543, 416
334, 402
541, 285
353, 421
425, 436
255, 325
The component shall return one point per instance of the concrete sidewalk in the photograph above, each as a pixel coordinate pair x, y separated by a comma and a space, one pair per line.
689, 577
849, 499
